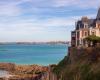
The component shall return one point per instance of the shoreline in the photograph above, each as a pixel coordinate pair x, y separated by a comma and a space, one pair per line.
26, 64
23, 71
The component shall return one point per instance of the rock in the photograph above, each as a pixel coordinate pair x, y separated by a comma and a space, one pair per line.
7, 66
24, 72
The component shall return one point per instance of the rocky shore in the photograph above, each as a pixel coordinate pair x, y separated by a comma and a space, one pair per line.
24, 72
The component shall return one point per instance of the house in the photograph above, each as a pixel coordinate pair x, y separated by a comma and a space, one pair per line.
84, 28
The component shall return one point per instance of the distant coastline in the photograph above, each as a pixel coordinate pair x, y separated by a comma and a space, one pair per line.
50, 42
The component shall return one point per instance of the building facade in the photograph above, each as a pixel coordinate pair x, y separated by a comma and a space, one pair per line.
84, 28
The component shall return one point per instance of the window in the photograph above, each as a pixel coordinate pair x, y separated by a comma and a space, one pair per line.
86, 33
78, 34
85, 25
93, 33
78, 26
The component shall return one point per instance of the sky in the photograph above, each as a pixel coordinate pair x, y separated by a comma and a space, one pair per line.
42, 20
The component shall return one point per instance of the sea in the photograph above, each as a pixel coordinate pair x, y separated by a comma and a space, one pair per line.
27, 54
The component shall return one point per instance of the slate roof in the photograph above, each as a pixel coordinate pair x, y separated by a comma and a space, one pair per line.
90, 22
98, 14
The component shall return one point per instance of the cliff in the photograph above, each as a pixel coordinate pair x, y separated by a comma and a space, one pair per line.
80, 64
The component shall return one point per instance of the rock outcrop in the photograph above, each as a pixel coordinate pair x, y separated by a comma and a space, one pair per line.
24, 72
7, 66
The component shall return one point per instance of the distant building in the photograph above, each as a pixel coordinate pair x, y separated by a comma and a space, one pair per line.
84, 28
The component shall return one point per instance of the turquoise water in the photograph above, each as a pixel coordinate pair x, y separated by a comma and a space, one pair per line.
42, 54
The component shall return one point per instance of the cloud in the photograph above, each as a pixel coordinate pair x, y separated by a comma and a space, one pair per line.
37, 25
9, 10
37, 22
33, 30
77, 3
35, 7
11, 7
42, 19
62, 3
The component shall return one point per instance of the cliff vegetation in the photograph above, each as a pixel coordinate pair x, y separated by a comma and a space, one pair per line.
80, 64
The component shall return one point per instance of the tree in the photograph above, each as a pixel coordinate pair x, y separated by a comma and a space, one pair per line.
94, 39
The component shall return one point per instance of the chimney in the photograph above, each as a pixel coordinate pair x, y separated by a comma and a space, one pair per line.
84, 19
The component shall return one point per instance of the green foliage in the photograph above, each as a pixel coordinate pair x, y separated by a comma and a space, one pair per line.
94, 39
96, 76
60, 66
86, 72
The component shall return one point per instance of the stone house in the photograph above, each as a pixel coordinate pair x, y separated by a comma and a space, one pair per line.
84, 28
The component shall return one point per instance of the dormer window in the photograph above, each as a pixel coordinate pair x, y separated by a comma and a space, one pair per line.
79, 26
